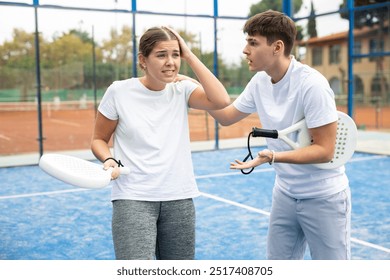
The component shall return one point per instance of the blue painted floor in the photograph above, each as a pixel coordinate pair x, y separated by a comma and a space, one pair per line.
45, 219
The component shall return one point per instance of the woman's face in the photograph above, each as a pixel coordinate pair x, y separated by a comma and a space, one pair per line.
162, 65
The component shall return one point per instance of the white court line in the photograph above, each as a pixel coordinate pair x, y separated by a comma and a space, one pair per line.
253, 209
65, 122
5, 137
227, 201
232, 173
41, 193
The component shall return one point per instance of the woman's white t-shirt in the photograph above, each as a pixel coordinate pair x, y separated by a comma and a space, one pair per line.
302, 93
152, 139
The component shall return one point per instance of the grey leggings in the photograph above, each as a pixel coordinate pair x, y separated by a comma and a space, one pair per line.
154, 230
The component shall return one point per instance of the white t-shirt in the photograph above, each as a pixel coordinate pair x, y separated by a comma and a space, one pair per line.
302, 93
152, 139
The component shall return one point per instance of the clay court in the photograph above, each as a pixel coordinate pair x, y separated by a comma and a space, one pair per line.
69, 126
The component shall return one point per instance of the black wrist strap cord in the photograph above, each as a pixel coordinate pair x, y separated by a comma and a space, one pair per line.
248, 156
117, 161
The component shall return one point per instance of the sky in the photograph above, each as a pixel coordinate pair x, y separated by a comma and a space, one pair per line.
230, 41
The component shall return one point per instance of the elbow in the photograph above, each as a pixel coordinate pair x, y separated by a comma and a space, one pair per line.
327, 156
224, 122
223, 103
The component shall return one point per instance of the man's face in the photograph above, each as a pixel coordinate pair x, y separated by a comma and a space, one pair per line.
259, 54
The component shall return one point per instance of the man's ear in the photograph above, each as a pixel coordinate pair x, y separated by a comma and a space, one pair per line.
278, 47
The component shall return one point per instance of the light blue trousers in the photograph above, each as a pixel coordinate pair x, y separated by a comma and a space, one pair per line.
324, 224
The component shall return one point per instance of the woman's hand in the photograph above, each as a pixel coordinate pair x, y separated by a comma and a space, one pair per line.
186, 52
112, 164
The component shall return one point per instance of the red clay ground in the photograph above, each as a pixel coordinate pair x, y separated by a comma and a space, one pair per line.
71, 128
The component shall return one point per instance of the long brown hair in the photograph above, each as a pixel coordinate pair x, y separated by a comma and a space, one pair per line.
151, 37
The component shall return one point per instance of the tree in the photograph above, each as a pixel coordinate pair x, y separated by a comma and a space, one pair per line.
118, 50
193, 43
17, 61
367, 17
311, 25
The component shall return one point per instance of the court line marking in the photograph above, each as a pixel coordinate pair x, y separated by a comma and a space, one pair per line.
65, 122
232, 173
253, 209
42, 193
266, 213
2, 136
227, 201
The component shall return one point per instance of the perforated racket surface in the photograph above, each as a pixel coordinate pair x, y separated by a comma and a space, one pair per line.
76, 171
346, 139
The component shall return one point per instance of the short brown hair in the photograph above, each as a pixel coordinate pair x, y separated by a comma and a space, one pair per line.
274, 26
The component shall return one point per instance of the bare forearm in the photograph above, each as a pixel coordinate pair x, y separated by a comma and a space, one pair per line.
100, 149
228, 115
306, 155
213, 88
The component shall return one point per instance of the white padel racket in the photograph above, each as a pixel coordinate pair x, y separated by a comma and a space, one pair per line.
346, 139
78, 172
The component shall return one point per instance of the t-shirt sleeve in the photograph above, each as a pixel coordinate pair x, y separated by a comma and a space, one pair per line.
245, 101
188, 87
107, 104
319, 103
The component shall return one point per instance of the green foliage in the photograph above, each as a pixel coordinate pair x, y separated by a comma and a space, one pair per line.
66, 63
312, 26
367, 17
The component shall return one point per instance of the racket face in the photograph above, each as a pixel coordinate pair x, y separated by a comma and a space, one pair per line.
300, 136
75, 171
304, 138
346, 141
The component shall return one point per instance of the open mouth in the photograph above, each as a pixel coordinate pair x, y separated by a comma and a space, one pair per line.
168, 71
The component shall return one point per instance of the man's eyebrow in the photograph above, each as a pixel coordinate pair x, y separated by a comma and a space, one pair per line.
251, 39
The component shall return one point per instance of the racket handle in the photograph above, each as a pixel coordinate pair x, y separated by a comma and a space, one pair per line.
268, 133
124, 170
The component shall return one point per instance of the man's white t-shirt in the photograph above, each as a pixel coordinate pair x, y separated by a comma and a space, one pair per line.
302, 93
152, 139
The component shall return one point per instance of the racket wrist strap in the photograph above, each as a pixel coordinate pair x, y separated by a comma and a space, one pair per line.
273, 158
117, 161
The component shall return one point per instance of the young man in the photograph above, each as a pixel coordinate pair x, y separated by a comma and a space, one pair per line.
310, 205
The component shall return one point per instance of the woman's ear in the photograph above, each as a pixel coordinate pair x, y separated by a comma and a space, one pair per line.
141, 61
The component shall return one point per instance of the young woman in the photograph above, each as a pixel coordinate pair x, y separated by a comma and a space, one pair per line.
153, 209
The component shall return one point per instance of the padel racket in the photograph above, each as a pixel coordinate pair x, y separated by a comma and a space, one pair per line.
77, 172
346, 139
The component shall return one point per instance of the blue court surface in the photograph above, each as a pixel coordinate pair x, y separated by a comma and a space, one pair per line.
45, 219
